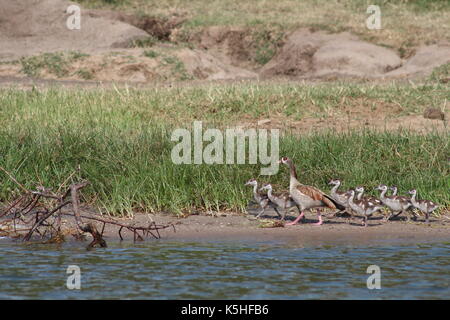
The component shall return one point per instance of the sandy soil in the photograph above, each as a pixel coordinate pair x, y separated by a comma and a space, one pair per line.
340, 230
228, 226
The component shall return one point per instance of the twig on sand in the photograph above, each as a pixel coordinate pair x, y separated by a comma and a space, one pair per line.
29, 204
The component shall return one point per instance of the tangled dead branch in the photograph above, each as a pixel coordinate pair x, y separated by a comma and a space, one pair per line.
40, 212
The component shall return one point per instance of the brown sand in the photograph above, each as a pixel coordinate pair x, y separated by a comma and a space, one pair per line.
240, 227
234, 227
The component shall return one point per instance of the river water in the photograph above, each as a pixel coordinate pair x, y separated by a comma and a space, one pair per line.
224, 270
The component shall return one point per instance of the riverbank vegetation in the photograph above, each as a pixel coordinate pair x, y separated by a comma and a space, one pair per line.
119, 140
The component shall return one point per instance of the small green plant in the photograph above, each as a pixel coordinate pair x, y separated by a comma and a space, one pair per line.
56, 63
85, 74
266, 43
170, 60
178, 68
151, 54
428, 5
440, 74
145, 42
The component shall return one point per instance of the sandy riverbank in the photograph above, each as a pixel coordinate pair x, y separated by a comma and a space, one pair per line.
240, 227
231, 227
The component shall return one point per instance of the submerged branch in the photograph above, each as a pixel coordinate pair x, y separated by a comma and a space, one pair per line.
31, 204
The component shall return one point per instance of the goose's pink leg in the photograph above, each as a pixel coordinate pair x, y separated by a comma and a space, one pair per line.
296, 220
320, 220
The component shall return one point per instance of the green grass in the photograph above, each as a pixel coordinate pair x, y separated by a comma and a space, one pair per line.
228, 104
266, 43
441, 73
151, 54
145, 43
178, 69
55, 63
85, 74
120, 139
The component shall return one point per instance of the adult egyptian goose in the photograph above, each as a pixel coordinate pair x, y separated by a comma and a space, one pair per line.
261, 199
364, 207
307, 197
338, 196
397, 204
282, 201
426, 206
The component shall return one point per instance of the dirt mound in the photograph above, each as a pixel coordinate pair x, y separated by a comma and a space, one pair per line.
424, 61
243, 47
295, 57
202, 65
32, 27
317, 54
160, 28
231, 45
354, 58
309, 53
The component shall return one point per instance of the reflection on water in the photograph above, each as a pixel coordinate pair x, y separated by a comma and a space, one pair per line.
224, 270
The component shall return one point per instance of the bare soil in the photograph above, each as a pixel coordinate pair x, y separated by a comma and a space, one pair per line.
231, 227
29, 28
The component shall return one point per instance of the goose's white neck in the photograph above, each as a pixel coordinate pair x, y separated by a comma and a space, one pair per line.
255, 189
413, 199
351, 197
359, 195
350, 201
269, 193
383, 192
293, 182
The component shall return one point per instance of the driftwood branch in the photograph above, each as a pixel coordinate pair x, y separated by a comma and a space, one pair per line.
44, 209
98, 239
39, 222
75, 201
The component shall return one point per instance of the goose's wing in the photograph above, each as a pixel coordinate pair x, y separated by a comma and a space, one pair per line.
318, 195
311, 192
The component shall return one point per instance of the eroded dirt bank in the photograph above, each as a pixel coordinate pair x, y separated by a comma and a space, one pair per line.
114, 46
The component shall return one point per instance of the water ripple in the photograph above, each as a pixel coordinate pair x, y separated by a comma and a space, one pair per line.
214, 270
